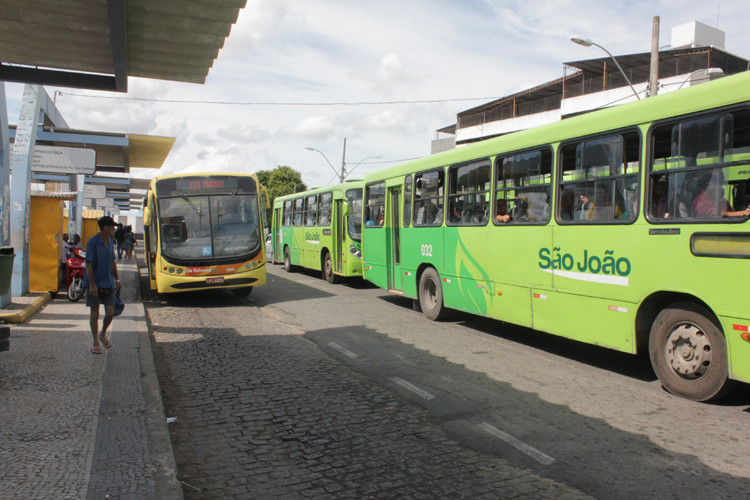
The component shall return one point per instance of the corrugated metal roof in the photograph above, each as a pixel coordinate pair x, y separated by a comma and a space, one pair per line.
63, 195
97, 44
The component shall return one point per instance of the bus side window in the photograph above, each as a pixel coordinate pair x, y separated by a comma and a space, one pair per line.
602, 174
428, 198
311, 210
375, 204
287, 217
468, 190
298, 205
699, 167
522, 188
324, 217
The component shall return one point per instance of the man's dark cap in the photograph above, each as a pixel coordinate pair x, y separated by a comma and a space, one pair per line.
106, 221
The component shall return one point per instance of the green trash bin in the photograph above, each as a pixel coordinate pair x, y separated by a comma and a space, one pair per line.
6, 268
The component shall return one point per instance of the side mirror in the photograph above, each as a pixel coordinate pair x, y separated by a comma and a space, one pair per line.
345, 209
146, 216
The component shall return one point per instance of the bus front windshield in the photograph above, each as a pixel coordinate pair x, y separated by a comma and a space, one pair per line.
204, 227
354, 197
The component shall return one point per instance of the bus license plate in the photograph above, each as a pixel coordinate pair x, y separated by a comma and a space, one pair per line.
215, 281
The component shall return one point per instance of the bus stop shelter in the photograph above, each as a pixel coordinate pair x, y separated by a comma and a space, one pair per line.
89, 45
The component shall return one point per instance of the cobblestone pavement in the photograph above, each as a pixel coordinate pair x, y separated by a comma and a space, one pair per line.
262, 413
75, 425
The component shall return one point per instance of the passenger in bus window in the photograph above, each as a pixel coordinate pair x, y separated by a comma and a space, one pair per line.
567, 204
457, 210
502, 211
587, 207
659, 198
711, 202
480, 214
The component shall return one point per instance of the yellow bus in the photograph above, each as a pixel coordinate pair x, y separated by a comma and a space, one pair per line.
205, 231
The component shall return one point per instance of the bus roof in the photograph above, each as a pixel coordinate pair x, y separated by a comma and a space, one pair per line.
336, 187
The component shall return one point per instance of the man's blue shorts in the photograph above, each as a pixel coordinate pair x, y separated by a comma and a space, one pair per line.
105, 296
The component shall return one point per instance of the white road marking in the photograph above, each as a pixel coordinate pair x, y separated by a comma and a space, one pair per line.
519, 445
413, 388
342, 350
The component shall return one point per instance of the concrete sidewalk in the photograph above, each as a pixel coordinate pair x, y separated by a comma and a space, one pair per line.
78, 425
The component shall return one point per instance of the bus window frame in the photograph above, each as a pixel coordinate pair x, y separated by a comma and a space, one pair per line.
310, 219
298, 212
328, 209
408, 192
441, 197
496, 172
287, 210
478, 163
366, 205
560, 185
651, 175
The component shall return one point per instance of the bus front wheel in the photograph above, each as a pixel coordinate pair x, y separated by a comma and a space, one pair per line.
328, 273
288, 260
688, 353
431, 295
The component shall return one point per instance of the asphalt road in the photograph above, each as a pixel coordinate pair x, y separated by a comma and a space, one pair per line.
312, 390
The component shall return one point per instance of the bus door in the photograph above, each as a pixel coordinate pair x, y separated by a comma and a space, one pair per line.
340, 236
276, 238
393, 239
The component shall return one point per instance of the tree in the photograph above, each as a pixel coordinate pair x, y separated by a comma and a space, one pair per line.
281, 181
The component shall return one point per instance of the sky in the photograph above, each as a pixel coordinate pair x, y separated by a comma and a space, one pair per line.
383, 75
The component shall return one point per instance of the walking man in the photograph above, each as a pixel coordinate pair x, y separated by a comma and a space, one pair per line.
120, 239
101, 281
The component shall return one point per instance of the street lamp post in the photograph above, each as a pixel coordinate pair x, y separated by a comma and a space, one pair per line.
360, 162
588, 43
329, 163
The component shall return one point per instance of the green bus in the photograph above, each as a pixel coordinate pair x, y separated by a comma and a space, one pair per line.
625, 227
320, 229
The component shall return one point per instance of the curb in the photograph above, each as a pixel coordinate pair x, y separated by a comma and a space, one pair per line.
22, 315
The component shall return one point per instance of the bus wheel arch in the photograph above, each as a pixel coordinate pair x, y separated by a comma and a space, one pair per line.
650, 308
288, 267
326, 266
430, 294
688, 351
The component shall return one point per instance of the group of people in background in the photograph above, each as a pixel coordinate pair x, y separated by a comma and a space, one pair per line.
125, 240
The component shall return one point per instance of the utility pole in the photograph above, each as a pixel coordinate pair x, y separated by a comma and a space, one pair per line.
654, 80
343, 163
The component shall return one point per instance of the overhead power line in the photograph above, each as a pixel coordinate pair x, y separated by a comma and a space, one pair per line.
248, 103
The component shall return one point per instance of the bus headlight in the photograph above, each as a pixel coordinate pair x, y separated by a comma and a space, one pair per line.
356, 252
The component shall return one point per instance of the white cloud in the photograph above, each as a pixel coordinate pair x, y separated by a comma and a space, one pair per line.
389, 75
328, 51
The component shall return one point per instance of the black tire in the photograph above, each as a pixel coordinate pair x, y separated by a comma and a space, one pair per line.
75, 290
288, 267
242, 292
328, 273
431, 295
689, 354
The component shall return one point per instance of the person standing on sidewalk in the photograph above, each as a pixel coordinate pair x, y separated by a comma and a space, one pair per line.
120, 239
101, 281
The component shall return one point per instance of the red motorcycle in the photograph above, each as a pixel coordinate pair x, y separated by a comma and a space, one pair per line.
76, 266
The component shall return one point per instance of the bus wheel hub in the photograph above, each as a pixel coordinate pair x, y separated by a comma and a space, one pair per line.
688, 351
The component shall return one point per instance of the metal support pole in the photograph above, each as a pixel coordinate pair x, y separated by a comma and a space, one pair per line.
20, 193
4, 181
654, 79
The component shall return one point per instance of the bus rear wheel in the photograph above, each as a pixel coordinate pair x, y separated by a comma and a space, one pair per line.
288, 260
688, 353
431, 295
328, 273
